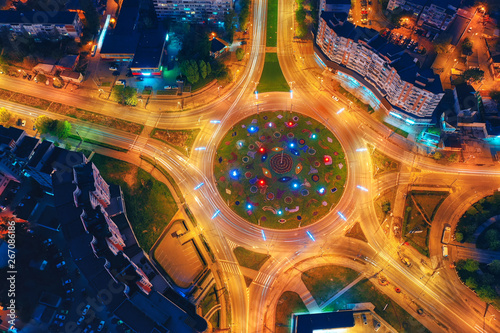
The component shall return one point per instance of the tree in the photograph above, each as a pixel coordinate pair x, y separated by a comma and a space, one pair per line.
240, 53
124, 95
442, 42
386, 207
41, 78
494, 267
487, 294
62, 129
189, 68
229, 25
473, 75
459, 236
467, 46
471, 282
471, 265
4, 115
44, 124
453, 158
203, 69
495, 95
437, 156
209, 68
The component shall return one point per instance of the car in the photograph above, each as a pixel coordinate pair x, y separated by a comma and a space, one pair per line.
13, 190
58, 323
70, 291
61, 265
113, 67
30, 77
88, 329
64, 312
101, 326
469, 30
243, 42
80, 320
121, 83
376, 325
66, 282
140, 78
86, 309
47, 242
365, 322
335, 98
60, 317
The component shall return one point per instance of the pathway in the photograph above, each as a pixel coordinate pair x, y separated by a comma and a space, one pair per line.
485, 225
341, 292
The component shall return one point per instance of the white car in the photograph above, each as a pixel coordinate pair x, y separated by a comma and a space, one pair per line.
335, 98
60, 317
101, 326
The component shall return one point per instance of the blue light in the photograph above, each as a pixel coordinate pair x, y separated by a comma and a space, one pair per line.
295, 185
199, 185
166, 38
361, 149
270, 124
342, 216
362, 188
249, 206
395, 115
217, 212
310, 236
256, 94
409, 121
322, 190
263, 235
215, 121
253, 129
146, 74
200, 148
280, 212
292, 145
234, 173
340, 111
313, 136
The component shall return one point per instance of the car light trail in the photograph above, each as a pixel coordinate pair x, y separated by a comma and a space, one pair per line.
310, 236
362, 188
199, 185
217, 212
342, 216
361, 149
200, 148
340, 111
263, 235
215, 121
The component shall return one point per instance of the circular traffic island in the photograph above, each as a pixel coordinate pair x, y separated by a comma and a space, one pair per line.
280, 170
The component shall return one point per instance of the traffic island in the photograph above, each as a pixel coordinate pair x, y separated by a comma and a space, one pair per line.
280, 170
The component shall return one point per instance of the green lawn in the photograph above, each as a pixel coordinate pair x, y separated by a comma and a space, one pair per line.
428, 203
382, 163
272, 23
326, 281
250, 259
149, 203
364, 291
272, 78
182, 140
396, 130
356, 232
288, 304
315, 164
209, 301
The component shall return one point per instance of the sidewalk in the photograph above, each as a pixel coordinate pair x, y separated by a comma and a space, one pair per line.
341, 292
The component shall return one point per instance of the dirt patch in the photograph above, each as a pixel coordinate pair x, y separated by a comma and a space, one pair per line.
130, 177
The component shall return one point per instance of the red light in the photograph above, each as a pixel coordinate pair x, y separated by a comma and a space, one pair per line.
290, 123
262, 149
327, 159
262, 182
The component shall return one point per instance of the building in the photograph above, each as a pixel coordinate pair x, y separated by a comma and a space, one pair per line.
70, 76
388, 76
335, 6
494, 66
310, 323
42, 25
148, 57
436, 14
217, 47
198, 11
68, 62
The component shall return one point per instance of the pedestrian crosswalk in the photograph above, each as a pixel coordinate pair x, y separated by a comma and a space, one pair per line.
262, 279
480, 329
231, 244
230, 267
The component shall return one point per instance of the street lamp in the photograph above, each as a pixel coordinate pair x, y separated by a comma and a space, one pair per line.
218, 90
320, 82
291, 100
257, 100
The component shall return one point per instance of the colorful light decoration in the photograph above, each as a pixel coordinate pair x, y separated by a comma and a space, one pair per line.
234, 174
327, 159
321, 191
262, 182
280, 212
295, 185
249, 206
262, 150
313, 136
253, 129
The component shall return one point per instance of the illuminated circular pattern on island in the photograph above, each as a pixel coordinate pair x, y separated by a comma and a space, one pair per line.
280, 170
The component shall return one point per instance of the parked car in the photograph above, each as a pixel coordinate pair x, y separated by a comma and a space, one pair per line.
365, 322
80, 320
101, 326
113, 67
60, 317
66, 282
376, 325
64, 312
86, 309
335, 98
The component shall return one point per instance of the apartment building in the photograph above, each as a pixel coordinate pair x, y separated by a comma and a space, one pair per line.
335, 6
436, 14
199, 11
42, 25
360, 55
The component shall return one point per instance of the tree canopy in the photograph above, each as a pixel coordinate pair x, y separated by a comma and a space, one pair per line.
473, 75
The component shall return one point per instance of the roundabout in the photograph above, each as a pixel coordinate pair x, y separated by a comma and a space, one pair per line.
280, 170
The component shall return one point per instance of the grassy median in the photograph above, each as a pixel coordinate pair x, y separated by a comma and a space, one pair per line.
272, 78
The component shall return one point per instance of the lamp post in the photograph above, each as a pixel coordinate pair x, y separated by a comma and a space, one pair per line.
218, 90
257, 101
291, 100
320, 82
